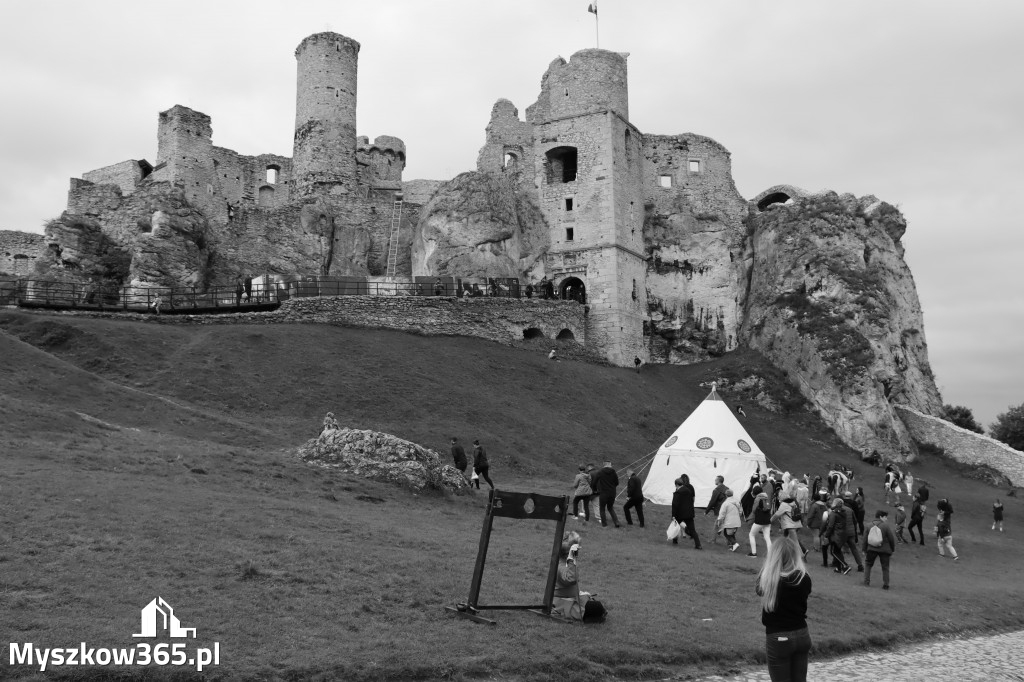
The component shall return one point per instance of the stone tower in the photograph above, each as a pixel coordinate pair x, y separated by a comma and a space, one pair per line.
588, 158
324, 157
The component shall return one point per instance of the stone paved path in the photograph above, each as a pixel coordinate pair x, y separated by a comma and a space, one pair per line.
995, 658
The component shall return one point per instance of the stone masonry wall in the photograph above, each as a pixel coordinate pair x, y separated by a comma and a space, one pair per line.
503, 320
19, 251
506, 134
962, 445
125, 175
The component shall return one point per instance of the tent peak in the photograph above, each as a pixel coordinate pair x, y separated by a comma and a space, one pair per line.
714, 394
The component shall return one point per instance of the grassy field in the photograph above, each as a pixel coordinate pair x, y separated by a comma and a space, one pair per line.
140, 459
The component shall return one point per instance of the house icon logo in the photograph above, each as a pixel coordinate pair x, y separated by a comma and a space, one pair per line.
158, 616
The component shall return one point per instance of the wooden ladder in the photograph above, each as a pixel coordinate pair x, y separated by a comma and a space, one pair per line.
396, 222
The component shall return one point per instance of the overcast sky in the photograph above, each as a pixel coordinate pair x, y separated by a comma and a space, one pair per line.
919, 102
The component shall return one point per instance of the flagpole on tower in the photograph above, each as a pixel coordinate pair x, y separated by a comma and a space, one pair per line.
597, 33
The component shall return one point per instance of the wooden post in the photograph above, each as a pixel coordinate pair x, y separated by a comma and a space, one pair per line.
481, 555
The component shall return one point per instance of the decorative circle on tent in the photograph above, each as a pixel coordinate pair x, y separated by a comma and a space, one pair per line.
671, 441
705, 443
743, 445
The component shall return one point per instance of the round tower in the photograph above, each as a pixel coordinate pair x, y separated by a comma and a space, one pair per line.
324, 160
591, 80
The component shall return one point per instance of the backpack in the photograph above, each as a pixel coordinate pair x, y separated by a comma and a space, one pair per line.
875, 536
795, 513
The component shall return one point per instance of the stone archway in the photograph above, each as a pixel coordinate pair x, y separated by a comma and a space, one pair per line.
779, 194
566, 335
572, 289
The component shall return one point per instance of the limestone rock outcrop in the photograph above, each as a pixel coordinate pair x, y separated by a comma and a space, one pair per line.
480, 225
833, 304
382, 457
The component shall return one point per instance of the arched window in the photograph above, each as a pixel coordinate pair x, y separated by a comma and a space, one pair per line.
566, 335
561, 164
272, 172
266, 196
533, 333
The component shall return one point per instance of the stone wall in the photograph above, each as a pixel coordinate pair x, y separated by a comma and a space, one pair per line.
125, 175
506, 135
962, 445
503, 320
19, 252
592, 80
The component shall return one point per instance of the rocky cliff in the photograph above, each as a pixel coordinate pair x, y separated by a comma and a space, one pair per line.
832, 302
480, 225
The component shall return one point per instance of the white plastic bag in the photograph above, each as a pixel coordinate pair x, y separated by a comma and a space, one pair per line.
673, 530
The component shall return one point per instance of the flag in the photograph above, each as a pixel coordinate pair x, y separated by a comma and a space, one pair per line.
593, 8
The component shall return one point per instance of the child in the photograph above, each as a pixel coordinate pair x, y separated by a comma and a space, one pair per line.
997, 515
901, 522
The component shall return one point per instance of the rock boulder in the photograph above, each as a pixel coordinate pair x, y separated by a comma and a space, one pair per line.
382, 457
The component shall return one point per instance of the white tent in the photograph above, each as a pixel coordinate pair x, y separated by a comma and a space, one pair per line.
710, 442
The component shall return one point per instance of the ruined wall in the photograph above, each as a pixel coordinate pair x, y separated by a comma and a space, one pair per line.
380, 163
592, 80
962, 445
506, 136
126, 175
19, 252
694, 233
325, 115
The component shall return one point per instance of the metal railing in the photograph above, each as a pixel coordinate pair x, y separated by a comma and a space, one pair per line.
259, 294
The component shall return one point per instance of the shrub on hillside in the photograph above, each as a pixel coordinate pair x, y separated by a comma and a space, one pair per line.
962, 417
1009, 427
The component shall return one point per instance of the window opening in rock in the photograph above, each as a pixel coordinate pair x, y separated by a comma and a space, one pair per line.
568, 204
568, 234
272, 174
694, 166
665, 180
561, 164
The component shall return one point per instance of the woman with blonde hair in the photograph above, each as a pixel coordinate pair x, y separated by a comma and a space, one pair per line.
784, 586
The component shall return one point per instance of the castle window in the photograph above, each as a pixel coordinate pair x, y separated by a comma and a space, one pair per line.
665, 180
561, 165
266, 196
510, 160
568, 234
272, 172
694, 166
568, 204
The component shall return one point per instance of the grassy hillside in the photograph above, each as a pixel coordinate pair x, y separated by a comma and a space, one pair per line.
147, 459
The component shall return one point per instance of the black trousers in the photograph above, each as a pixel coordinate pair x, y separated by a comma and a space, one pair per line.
920, 530
607, 501
691, 531
634, 504
482, 473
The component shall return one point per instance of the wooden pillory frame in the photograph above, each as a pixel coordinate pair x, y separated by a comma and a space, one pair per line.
516, 506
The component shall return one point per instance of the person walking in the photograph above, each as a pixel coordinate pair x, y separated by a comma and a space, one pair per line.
634, 498
730, 518
682, 509
917, 513
892, 483
606, 481
459, 456
784, 585
835, 535
581, 492
901, 522
714, 505
944, 529
858, 509
852, 537
879, 543
762, 521
790, 526
923, 492
815, 519
480, 464
997, 515
239, 290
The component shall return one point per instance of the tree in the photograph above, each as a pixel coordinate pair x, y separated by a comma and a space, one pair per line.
1009, 427
962, 417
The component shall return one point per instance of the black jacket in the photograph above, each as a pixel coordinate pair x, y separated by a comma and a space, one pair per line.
479, 457
634, 489
459, 455
682, 503
606, 481
717, 498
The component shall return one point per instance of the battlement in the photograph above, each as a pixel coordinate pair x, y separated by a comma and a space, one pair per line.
328, 40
